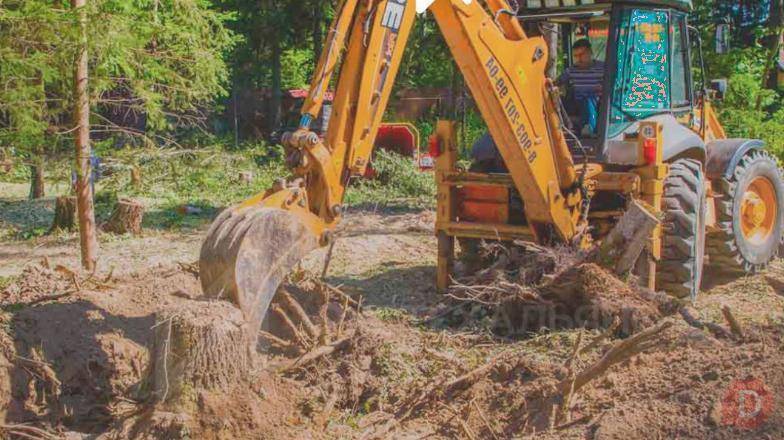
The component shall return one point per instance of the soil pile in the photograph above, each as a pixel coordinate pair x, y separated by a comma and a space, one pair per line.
74, 357
527, 287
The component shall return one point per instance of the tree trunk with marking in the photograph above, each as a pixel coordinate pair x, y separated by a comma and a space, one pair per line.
626, 241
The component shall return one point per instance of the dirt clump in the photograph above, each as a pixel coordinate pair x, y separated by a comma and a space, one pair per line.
528, 287
36, 282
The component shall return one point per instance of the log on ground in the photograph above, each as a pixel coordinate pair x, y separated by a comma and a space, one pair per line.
126, 218
200, 345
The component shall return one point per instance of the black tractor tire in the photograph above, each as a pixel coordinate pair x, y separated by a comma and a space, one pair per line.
730, 251
683, 243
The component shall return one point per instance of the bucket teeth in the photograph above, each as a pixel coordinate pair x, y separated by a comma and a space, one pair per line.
247, 254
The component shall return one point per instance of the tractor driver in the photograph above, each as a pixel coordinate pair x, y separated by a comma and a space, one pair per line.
583, 83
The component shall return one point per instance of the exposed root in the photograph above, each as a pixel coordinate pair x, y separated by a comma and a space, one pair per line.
528, 287
620, 352
28, 432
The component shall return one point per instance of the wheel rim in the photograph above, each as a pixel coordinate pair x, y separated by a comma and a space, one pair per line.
758, 211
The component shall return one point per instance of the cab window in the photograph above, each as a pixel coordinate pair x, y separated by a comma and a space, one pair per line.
642, 84
596, 32
681, 78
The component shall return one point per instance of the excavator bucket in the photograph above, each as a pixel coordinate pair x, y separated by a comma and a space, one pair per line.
248, 252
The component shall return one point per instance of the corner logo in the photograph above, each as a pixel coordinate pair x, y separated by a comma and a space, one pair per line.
746, 404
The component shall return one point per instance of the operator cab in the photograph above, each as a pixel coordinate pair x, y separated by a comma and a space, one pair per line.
640, 70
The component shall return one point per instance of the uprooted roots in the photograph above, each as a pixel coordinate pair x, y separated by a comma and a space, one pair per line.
307, 316
530, 287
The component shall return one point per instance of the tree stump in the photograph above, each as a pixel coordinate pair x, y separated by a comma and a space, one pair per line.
201, 345
136, 177
64, 214
126, 218
246, 177
6, 165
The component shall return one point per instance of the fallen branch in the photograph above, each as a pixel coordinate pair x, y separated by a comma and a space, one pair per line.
343, 295
599, 339
49, 298
717, 330
469, 434
577, 421
327, 260
70, 274
621, 351
191, 268
484, 419
276, 341
293, 306
28, 432
472, 376
735, 327
316, 354
342, 320
286, 320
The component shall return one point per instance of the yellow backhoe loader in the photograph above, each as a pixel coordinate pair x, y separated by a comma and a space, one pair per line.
654, 139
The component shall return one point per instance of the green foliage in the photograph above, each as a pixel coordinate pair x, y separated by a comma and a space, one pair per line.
6, 281
160, 58
474, 127
296, 68
398, 182
390, 314
749, 110
203, 180
427, 61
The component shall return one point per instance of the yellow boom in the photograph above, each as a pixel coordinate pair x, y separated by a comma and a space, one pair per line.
252, 246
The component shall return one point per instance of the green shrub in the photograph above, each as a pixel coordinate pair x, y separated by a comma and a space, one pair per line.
399, 181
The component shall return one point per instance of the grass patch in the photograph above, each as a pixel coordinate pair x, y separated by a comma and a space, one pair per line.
6, 281
399, 184
185, 189
389, 314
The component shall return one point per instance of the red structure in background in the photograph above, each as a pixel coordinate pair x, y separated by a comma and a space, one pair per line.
251, 112
400, 138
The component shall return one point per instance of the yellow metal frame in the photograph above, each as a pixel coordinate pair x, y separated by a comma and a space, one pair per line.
503, 68
505, 72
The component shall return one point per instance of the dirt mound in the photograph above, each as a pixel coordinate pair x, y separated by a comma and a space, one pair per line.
74, 362
594, 298
36, 282
263, 407
527, 287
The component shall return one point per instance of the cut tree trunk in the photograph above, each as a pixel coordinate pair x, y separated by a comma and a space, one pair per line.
200, 345
37, 184
65, 214
246, 177
126, 218
84, 193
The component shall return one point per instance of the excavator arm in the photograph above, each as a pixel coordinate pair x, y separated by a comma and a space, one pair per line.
251, 247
